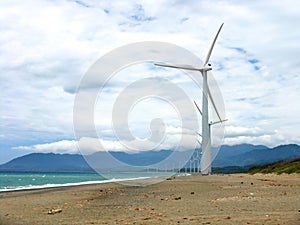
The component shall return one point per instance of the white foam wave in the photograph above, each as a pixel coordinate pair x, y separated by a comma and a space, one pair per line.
33, 187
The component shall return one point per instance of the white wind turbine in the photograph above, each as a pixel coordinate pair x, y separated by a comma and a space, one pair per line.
206, 136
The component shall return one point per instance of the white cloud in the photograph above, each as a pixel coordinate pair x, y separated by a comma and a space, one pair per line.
232, 131
270, 140
88, 145
64, 146
254, 135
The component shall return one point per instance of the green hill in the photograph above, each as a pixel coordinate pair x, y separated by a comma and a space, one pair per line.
287, 166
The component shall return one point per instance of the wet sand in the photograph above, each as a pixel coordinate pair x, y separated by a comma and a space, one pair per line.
215, 199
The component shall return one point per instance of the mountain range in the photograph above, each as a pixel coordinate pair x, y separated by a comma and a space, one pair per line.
244, 155
248, 155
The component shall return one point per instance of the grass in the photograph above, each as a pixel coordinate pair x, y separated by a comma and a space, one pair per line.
287, 166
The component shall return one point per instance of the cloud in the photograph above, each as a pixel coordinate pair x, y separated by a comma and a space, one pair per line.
263, 139
64, 146
233, 131
88, 145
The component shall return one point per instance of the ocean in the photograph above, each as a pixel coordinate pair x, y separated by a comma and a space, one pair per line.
10, 181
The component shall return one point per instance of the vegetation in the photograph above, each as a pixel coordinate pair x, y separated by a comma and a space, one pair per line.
230, 169
287, 166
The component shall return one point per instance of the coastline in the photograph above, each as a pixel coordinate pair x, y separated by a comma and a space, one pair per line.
45, 186
215, 199
16, 181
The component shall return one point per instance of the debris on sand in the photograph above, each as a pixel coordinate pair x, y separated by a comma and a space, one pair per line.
53, 211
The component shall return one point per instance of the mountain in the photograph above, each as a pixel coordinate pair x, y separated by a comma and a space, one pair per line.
47, 162
254, 155
229, 151
231, 157
143, 158
50, 162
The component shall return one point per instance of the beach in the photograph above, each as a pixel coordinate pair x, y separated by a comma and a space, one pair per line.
214, 199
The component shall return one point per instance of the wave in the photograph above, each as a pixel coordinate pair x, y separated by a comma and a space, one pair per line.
34, 187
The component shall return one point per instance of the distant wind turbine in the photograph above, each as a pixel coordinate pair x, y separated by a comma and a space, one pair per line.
206, 134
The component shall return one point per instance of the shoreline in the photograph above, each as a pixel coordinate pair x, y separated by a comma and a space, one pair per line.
45, 186
196, 199
105, 180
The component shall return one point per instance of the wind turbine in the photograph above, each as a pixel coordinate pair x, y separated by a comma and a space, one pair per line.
206, 134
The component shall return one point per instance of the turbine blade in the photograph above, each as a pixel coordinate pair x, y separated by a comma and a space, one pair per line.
199, 142
198, 108
199, 134
213, 103
184, 67
221, 121
212, 46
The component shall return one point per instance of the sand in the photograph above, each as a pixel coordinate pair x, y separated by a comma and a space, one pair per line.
215, 199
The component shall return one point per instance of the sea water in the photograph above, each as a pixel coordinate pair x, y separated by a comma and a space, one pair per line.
17, 181
14, 181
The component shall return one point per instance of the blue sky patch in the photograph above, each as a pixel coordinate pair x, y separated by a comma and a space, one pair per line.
241, 50
82, 3
254, 63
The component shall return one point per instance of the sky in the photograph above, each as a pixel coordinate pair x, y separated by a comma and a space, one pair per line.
46, 47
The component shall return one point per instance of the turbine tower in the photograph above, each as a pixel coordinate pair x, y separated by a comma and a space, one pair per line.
206, 131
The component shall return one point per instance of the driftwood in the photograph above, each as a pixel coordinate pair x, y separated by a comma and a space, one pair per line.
53, 211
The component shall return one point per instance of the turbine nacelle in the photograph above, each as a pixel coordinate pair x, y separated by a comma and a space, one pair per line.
207, 68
